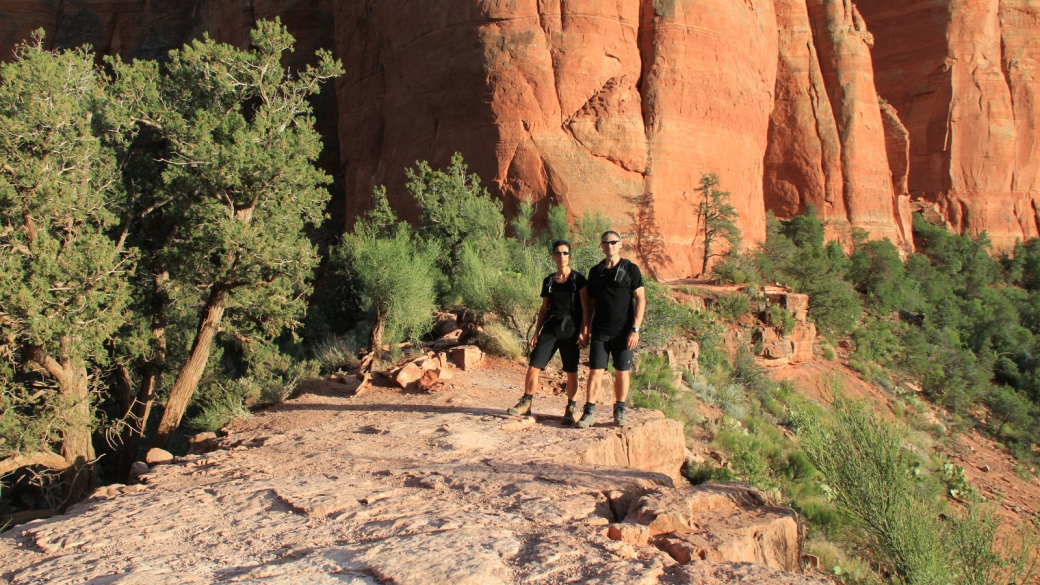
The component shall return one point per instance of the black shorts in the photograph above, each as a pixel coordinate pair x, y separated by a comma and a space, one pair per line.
616, 347
547, 346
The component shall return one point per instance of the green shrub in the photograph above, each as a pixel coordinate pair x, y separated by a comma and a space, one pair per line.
733, 306
873, 479
781, 319
218, 409
665, 318
396, 272
335, 353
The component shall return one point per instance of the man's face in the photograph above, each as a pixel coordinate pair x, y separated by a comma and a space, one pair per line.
611, 245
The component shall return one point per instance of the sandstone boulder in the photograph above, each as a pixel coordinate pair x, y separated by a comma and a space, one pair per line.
203, 443
137, 469
157, 456
408, 374
466, 357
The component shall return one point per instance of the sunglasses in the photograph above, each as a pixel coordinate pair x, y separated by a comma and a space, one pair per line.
561, 253
610, 242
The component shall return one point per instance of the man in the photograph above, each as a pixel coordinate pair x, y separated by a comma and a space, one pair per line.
617, 300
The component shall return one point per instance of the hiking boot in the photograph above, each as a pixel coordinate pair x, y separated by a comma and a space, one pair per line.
619, 414
588, 418
522, 408
568, 415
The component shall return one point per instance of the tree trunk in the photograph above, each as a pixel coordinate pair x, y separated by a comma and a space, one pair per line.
77, 446
188, 378
141, 408
375, 337
137, 416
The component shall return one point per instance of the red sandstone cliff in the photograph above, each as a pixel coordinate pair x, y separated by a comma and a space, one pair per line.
962, 74
618, 107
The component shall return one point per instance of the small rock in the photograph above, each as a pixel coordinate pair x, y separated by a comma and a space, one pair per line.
114, 489
408, 374
137, 469
636, 534
202, 443
984, 468
466, 356
433, 482
131, 489
427, 364
341, 378
428, 379
526, 422
811, 561
157, 456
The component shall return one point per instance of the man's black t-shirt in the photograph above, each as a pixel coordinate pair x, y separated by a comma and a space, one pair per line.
614, 291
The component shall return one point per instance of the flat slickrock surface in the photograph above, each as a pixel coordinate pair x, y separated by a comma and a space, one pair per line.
386, 487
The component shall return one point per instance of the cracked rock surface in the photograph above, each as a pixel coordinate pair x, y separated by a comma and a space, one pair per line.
403, 488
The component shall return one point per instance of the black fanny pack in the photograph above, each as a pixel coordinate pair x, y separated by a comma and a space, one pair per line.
561, 326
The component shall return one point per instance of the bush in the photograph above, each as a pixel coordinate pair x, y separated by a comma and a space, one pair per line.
335, 353
665, 318
781, 319
218, 409
396, 273
733, 306
874, 481
500, 340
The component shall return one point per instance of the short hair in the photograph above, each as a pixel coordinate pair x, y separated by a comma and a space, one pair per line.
559, 243
607, 233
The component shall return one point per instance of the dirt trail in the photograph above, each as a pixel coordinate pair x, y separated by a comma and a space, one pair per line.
399, 487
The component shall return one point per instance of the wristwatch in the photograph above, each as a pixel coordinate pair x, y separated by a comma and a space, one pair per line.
635, 330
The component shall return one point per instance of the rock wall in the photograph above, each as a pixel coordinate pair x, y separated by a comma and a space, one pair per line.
962, 75
616, 107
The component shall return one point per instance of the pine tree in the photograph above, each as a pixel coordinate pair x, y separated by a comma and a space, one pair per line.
717, 217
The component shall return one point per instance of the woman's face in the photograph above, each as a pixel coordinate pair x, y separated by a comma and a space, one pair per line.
562, 256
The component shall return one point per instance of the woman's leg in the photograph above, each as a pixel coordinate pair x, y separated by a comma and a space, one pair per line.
531, 383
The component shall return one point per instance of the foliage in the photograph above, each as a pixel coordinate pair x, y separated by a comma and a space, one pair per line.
733, 306
218, 409
874, 481
664, 318
334, 353
454, 209
395, 270
716, 215
781, 319
794, 254
63, 261
239, 189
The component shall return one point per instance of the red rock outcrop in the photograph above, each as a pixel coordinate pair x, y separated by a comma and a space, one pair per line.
962, 76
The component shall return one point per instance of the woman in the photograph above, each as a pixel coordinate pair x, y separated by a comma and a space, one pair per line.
563, 324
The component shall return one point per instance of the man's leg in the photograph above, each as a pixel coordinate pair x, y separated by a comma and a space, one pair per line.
622, 381
588, 418
572, 385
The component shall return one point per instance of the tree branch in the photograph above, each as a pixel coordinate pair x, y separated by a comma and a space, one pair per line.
45, 458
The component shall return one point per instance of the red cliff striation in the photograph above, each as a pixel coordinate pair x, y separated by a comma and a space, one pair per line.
962, 74
615, 107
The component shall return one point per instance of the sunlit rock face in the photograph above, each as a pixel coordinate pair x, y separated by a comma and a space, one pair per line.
962, 75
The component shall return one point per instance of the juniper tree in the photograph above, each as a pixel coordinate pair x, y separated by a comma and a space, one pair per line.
717, 217
240, 186
63, 259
